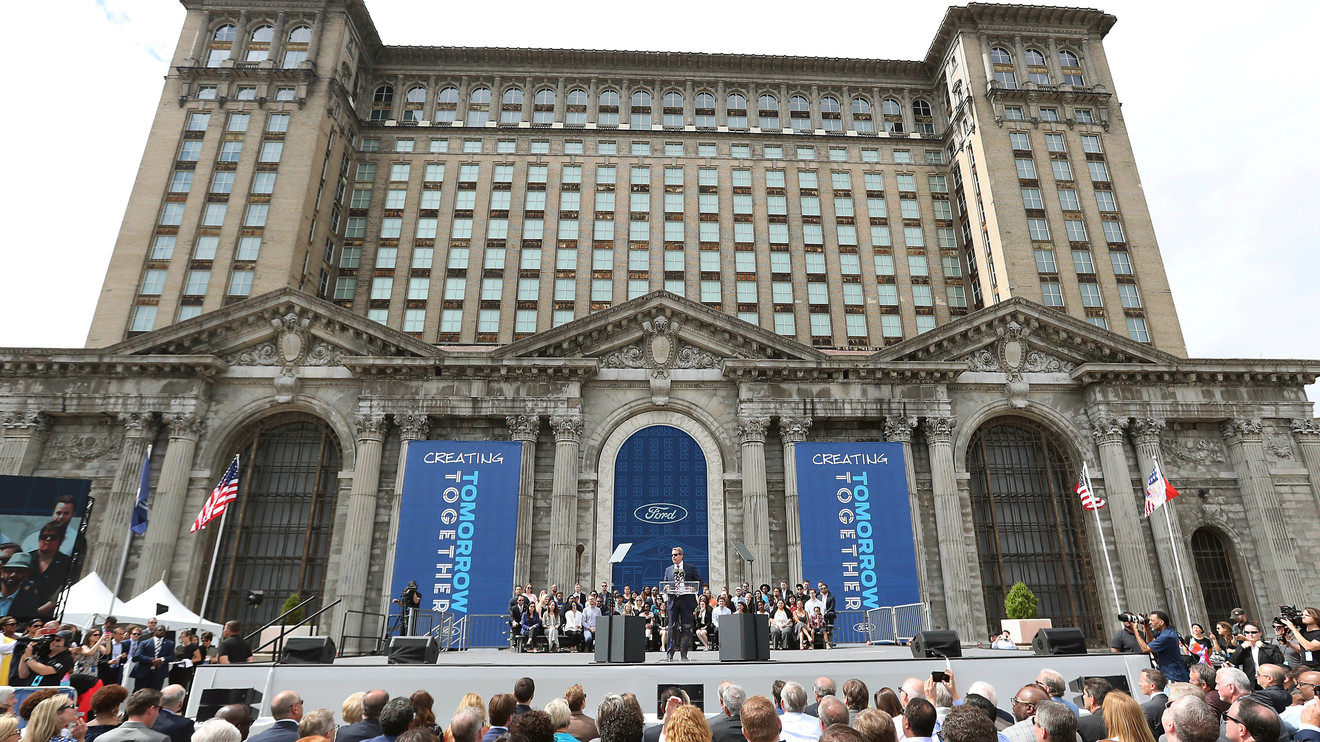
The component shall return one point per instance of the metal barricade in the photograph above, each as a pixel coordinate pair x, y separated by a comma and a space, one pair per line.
896, 624
486, 630
880, 622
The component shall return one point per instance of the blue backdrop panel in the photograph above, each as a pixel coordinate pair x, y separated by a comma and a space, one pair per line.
659, 502
856, 523
456, 525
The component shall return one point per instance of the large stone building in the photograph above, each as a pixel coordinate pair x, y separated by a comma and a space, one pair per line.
335, 247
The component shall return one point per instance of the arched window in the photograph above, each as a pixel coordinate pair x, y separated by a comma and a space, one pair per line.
607, 111
511, 107
1210, 556
831, 114
1035, 58
258, 49
1029, 524
413, 101
545, 97
543, 109
478, 107
1071, 68
1000, 55
446, 105
222, 42
922, 121
767, 109
705, 111
735, 110
861, 114
382, 102
799, 114
416, 94
641, 110
575, 113
295, 49
893, 113
673, 110
1037, 72
1003, 67
277, 535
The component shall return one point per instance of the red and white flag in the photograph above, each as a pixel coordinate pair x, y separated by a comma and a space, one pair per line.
1158, 490
224, 493
1090, 500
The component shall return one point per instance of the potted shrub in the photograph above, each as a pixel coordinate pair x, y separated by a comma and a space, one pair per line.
1020, 606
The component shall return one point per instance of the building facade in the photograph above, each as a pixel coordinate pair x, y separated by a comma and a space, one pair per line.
335, 247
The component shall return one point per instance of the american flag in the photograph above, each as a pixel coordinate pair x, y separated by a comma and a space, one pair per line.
1090, 501
224, 493
1158, 490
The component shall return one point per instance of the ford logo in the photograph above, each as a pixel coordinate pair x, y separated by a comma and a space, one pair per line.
660, 512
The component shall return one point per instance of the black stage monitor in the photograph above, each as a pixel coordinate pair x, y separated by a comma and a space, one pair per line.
936, 644
308, 650
1059, 641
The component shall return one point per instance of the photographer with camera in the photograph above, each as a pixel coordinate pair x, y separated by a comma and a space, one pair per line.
408, 601
1303, 639
49, 658
1157, 638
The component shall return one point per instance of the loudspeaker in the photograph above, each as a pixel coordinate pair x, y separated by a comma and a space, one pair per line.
226, 696
207, 711
1118, 682
413, 650
308, 650
744, 637
1059, 641
935, 644
696, 693
627, 639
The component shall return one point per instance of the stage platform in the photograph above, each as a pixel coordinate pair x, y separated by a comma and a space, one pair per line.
491, 671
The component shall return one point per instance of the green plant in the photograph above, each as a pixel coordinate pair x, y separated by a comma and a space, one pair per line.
297, 616
1020, 603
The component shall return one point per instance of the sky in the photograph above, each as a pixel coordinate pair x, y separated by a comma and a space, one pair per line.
1220, 105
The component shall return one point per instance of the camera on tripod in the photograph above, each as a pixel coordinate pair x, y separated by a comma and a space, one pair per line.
1129, 617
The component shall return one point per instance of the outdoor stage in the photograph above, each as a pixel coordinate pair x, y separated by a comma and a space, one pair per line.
490, 671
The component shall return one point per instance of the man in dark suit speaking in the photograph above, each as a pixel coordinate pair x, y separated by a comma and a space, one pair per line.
680, 607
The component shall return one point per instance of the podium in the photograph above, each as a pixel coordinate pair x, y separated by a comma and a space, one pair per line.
621, 639
745, 637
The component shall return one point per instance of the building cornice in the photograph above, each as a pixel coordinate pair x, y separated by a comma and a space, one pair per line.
46, 363
992, 18
1205, 372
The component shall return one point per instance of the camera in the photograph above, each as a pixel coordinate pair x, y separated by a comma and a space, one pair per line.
1289, 612
1129, 617
41, 647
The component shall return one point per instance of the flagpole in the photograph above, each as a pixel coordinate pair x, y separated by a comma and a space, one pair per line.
1105, 548
123, 558
215, 554
1176, 563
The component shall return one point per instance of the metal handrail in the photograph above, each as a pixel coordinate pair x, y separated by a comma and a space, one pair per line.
374, 637
286, 629
280, 618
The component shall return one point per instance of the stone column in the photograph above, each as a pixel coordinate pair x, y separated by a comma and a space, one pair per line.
524, 429
1138, 587
413, 426
166, 503
1307, 433
756, 497
792, 431
20, 450
361, 520
950, 523
1146, 434
117, 512
1275, 553
899, 430
564, 499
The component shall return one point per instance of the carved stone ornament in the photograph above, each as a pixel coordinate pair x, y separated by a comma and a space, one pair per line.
794, 429
752, 429
567, 428
183, 424
524, 427
1109, 429
370, 425
1279, 447
31, 421
1147, 430
1306, 429
265, 354
1241, 430
413, 426
899, 429
1012, 359
138, 424
940, 429
85, 446
1193, 451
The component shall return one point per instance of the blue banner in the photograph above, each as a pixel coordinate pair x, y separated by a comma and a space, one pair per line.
856, 523
457, 523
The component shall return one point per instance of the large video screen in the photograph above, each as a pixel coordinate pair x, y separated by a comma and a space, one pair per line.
41, 542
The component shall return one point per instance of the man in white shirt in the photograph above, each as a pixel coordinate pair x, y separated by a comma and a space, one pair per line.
589, 616
797, 726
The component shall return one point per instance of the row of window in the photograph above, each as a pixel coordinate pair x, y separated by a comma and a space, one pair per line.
259, 45
1037, 69
765, 111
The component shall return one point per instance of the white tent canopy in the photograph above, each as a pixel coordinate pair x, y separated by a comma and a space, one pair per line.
90, 600
176, 615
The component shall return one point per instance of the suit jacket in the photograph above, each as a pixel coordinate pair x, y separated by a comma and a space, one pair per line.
1154, 711
1092, 728
727, 729
153, 677
177, 728
831, 608
132, 731
1270, 654
683, 603
652, 734
359, 731
1306, 735
1273, 696
283, 730
582, 726
813, 710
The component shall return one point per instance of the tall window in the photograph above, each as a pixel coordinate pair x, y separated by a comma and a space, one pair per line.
258, 49
295, 49
222, 41
479, 107
511, 107
607, 111
1210, 556
1029, 525
767, 107
277, 535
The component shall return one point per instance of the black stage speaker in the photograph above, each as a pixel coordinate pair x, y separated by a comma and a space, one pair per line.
413, 650
1059, 641
696, 692
1119, 682
308, 650
627, 639
936, 644
214, 699
745, 637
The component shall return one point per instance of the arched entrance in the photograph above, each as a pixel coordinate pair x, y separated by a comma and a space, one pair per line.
1029, 524
659, 502
1210, 555
277, 535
